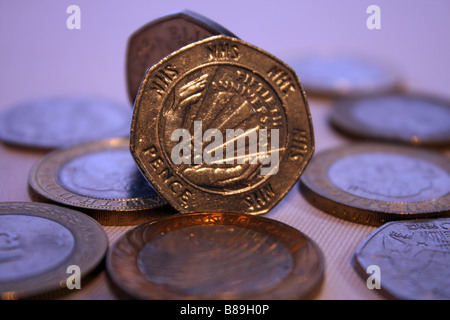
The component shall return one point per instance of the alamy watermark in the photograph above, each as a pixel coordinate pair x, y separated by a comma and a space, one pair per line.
374, 280
208, 147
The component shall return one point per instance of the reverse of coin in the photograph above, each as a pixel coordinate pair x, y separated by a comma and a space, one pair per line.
411, 259
345, 75
163, 36
39, 243
221, 126
215, 256
100, 178
405, 118
376, 183
63, 121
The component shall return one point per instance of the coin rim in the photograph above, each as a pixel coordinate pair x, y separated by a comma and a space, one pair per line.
136, 152
324, 195
50, 165
90, 248
135, 284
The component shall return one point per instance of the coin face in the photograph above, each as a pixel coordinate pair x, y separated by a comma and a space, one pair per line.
221, 126
39, 242
412, 258
96, 176
345, 75
376, 183
163, 36
215, 256
404, 118
63, 121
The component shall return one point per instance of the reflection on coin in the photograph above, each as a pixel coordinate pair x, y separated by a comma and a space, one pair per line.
163, 36
375, 183
221, 126
412, 258
215, 256
99, 177
406, 118
38, 242
63, 121
343, 75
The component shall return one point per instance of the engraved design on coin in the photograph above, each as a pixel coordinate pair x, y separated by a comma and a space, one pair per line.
236, 105
413, 257
389, 177
30, 250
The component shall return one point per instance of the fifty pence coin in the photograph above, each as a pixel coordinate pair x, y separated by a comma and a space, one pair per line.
408, 259
221, 126
215, 256
405, 118
50, 123
345, 75
43, 245
100, 178
163, 36
375, 183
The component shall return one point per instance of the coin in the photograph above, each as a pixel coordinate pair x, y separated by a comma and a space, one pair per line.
374, 183
99, 178
215, 256
344, 75
163, 36
404, 118
40, 242
411, 257
221, 126
57, 122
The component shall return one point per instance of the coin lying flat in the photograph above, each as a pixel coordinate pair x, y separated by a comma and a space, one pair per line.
412, 258
215, 256
345, 75
57, 122
405, 118
163, 36
375, 183
100, 178
38, 244
221, 126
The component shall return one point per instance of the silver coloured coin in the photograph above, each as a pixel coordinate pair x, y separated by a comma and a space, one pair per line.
56, 122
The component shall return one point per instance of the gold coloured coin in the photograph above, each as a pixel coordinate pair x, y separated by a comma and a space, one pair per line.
43, 245
221, 126
215, 256
99, 178
163, 36
375, 183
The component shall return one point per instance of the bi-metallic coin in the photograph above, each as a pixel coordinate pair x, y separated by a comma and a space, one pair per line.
375, 183
215, 256
43, 245
63, 121
402, 118
100, 178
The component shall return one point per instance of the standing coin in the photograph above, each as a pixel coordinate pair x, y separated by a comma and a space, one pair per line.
345, 75
63, 121
221, 126
101, 178
163, 36
405, 118
215, 256
375, 183
39, 243
411, 257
